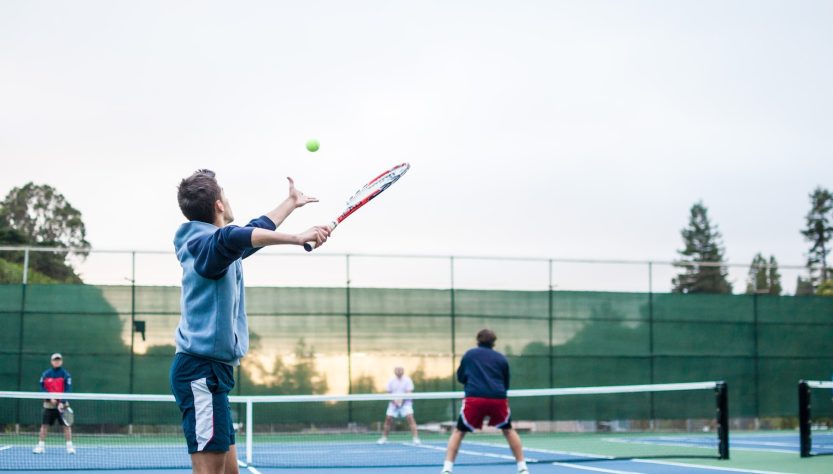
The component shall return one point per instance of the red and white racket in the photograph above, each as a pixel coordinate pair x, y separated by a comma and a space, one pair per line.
365, 194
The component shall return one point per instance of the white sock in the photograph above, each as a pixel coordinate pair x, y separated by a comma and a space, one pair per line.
521, 465
448, 466
69, 444
41, 443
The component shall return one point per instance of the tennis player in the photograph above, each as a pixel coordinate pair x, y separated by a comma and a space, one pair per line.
485, 374
55, 380
213, 332
400, 384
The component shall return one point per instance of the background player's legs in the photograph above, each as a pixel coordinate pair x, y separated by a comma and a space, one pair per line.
41, 446
515, 445
412, 424
205, 462
454, 445
386, 428
68, 438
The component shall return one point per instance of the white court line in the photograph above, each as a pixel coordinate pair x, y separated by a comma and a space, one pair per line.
685, 445
711, 468
250, 468
549, 451
652, 461
3, 448
595, 469
466, 451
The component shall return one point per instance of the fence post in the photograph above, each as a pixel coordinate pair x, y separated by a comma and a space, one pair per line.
453, 322
550, 350
25, 281
349, 339
651, 357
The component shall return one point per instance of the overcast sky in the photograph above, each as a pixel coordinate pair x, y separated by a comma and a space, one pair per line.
534, 128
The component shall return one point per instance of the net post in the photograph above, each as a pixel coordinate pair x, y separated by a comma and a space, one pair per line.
804, 415
722, 397
249, 431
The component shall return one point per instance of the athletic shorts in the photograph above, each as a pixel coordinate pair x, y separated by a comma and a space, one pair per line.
50, 416
401, 411
476, 409
201, 389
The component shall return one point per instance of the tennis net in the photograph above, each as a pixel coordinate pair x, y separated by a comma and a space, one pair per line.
120, 431
815, 417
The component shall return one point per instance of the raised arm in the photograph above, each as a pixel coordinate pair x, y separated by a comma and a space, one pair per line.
295, 200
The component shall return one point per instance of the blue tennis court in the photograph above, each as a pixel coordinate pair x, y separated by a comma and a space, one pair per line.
474, 457
776, 442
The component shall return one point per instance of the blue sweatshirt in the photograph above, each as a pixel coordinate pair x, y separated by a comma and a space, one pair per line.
484, 372
213, 324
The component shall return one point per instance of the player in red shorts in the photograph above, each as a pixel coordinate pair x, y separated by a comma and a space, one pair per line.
485, 374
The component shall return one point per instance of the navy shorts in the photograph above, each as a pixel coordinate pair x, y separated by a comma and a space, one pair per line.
201, 389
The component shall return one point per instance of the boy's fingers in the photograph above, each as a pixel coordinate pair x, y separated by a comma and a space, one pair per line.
291, 181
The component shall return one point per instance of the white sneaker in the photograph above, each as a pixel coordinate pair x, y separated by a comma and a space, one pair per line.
39, 449
382, 440
417, 441
523, 471
70, 449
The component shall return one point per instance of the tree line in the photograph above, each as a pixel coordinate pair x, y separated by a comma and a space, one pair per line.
38, 215
703, 265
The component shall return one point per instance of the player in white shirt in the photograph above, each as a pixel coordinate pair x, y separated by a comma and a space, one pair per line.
400, 408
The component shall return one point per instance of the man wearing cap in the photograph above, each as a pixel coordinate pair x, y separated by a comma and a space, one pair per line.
54, 380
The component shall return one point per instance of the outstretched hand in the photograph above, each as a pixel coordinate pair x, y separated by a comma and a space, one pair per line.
297, 196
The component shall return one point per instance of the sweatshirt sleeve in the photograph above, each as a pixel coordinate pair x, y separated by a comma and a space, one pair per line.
461, 371
261, 222
215, 252
42, 386
67, 381
506, 373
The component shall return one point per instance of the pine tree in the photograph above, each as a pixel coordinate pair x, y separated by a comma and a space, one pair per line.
702, 245
763, 277
819, 232
775, 287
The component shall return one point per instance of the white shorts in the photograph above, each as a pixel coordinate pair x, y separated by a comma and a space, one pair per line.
400, 412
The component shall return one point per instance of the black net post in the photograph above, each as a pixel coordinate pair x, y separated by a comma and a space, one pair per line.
722, 397
804, 416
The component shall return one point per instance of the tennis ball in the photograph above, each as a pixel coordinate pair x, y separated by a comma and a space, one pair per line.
313, 145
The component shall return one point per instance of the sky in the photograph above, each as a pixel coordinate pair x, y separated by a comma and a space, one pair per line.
564, 129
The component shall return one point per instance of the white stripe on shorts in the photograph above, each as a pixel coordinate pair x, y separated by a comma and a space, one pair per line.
203, 412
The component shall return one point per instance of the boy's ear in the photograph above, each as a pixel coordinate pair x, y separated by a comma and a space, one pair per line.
219, 208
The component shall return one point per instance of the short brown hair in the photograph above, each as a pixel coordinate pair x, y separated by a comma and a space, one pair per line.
486, 337
197, 194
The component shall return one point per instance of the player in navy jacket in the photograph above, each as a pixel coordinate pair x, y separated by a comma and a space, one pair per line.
484, 372
54, 380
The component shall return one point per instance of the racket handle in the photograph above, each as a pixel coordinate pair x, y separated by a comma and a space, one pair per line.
310, 246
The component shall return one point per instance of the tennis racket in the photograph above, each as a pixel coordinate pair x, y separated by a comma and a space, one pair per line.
365, 194
67, 415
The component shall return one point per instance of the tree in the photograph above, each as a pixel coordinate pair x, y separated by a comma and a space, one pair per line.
38, 215
803, 287
819, 231
702, 245
764, 277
